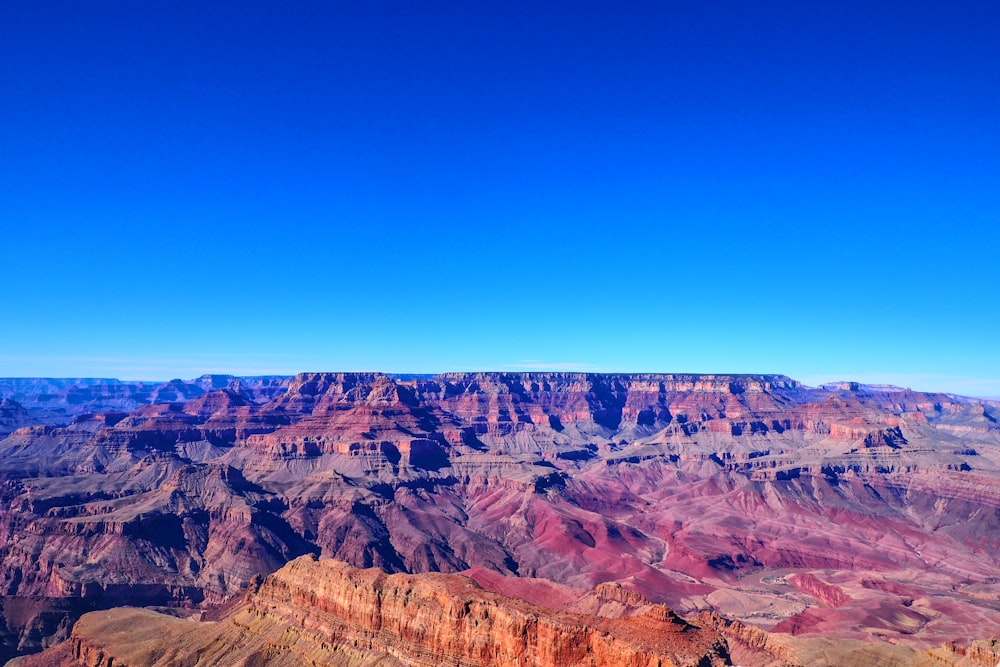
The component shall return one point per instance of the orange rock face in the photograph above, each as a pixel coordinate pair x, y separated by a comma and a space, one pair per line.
329, 613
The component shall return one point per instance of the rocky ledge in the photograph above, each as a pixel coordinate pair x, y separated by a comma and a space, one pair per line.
329, 613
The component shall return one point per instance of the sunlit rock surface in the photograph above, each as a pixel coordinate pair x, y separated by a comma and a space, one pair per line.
847, 512
328, 613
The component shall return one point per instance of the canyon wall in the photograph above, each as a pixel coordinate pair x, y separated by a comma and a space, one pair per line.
849, 511
329, 613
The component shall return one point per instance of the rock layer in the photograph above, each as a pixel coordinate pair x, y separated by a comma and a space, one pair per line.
852, 512
329, 613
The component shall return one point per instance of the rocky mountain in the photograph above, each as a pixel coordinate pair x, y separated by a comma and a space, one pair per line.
849, 513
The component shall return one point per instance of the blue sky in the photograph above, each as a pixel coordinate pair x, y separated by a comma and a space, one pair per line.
804, 188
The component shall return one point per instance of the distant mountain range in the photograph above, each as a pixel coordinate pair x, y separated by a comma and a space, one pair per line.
57, 400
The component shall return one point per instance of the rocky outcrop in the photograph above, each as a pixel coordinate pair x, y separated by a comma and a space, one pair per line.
751, 643
984, 652
329, 613
833, 596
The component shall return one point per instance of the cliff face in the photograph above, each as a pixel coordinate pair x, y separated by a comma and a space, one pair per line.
57, 401
852, 511
12, 416
329, 613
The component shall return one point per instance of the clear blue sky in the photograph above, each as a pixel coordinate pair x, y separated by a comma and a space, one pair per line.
810, 188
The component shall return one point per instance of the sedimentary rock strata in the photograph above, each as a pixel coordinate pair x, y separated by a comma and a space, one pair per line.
328, 613
848, 511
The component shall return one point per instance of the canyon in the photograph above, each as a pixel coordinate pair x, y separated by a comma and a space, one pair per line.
773, 523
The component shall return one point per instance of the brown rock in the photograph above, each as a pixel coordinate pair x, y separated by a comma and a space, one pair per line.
329, 613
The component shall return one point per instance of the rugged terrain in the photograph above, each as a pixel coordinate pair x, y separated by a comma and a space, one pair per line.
847, 513
328, 612
33, 401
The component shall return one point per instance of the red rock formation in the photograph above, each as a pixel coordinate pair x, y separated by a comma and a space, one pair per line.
724, 492
329, 613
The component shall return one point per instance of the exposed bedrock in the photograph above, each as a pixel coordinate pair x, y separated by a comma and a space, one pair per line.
852, 512
327, 612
